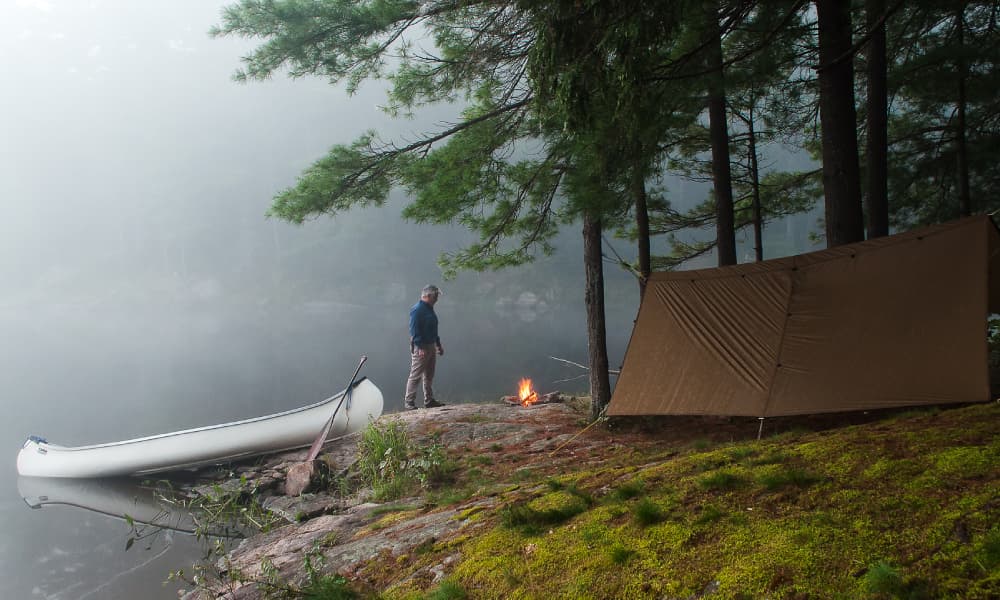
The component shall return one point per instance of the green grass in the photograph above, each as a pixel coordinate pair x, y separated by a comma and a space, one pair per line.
480, 460
709, 514
989, 550
788, 478
722, 481
329, 587
448, 590
620, 554
647, 512
531, 520
627, 491
382, 454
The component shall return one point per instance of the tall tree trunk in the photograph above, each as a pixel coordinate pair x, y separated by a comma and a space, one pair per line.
758, 216
642, 227
841, 173
600, 384
961, 150
719, 134
878, 114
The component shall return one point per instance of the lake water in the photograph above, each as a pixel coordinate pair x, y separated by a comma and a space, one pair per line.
78, 374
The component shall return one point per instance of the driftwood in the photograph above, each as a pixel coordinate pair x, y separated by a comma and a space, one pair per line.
550, 398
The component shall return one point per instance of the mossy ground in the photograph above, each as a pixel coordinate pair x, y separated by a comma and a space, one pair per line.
905, 506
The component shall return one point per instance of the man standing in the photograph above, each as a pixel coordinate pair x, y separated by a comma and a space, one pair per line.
425, 345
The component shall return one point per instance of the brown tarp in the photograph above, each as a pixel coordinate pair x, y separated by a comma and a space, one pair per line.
894, 321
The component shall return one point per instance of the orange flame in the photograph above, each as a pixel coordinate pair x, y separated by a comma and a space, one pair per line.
525, 394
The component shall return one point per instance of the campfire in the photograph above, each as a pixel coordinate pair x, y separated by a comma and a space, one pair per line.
527, 396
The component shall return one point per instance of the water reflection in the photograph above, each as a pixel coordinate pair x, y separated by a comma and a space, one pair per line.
147, 507
110, 538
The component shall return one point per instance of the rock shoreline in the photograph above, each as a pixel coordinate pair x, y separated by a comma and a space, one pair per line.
354, 536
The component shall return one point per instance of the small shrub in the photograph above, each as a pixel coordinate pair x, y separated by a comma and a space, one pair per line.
740, 452
789, 477
709, 514
883, 579
620, 555
523, 475
329, 587
721, 480
382, 459
989, 552
392, 467
771, 458
432, 466
629, 490
448, 590
558, 486
648, 513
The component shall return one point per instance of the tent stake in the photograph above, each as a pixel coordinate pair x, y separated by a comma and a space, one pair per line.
760, 430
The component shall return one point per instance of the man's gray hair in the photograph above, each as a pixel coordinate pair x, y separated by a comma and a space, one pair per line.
430, 290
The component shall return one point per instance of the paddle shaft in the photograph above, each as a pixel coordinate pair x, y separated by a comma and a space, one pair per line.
318, 442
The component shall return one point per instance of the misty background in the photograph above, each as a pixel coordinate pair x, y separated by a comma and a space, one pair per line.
142, 289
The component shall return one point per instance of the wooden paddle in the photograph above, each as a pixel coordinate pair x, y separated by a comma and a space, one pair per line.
321, 438
300, 475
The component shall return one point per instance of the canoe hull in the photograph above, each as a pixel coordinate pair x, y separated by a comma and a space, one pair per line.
205, 445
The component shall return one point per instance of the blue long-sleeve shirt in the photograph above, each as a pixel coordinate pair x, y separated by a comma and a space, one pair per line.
423, 324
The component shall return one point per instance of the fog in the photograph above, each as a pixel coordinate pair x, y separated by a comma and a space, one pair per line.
142, 289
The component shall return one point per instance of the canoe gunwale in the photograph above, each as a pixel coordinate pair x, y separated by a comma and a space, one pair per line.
42, 443
213, 444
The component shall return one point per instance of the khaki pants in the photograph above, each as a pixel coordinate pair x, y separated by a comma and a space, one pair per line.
421, 370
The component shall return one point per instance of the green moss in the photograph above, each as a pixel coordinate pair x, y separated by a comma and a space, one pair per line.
534, 516
964, 462
829, 508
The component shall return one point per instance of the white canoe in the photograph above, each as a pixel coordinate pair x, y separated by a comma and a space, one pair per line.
205, 445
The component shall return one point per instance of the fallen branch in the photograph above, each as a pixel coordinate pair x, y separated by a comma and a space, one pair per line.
576, 364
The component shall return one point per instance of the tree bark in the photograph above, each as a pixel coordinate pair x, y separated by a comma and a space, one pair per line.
878, 113
838, 118
961, 150
600, 384
719, 135
758, 216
